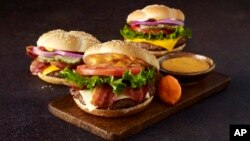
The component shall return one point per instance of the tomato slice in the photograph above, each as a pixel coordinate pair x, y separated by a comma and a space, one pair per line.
105, 70
152, 31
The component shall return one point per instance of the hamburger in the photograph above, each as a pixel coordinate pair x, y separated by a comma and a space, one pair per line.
116, 79
56, 50
157, 28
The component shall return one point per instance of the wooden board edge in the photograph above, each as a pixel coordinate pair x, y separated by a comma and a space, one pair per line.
72, 120
158, 118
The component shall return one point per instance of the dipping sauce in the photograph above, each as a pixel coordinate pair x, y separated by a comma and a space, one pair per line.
184, 65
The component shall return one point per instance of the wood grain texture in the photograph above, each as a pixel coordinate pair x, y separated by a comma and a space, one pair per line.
119, 128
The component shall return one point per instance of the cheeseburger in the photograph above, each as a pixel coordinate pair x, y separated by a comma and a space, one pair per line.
56, 50
116, 79
157, 28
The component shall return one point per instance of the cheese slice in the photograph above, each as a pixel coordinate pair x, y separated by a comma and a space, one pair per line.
87, 97
50, 69
165, 43
49, 49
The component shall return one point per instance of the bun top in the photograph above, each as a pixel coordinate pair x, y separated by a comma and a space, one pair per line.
77, 41
157, 12
124, 48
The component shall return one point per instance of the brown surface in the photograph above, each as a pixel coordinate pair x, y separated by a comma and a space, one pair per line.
118, 128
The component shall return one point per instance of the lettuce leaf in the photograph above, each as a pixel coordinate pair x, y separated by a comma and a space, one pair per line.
117, 84
128, 33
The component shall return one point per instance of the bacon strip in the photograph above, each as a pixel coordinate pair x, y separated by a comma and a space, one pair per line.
137, 94
37, 67
103, 97
30, 52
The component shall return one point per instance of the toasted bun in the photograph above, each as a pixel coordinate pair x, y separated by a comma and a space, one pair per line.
77, 41
156, 12
164, 52
70, 84
115, 113
125, 48
50, 79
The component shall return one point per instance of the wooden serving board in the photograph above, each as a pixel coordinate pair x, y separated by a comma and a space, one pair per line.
119, 128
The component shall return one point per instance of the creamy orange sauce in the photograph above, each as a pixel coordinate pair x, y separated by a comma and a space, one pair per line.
113, 59
184, 65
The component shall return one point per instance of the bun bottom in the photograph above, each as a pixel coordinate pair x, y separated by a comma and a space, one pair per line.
164, 52
115, 113
50, 79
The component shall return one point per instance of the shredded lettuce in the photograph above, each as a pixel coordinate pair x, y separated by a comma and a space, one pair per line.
128, 33
117, 84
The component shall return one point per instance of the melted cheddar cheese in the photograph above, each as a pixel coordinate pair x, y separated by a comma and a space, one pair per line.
49, 49
113, 59
50, 69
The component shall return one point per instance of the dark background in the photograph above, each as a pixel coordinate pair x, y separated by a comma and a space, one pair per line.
220, 30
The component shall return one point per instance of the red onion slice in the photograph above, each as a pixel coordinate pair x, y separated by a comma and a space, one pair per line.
164, 21
68, 54
38, 51
172, 21
29, 51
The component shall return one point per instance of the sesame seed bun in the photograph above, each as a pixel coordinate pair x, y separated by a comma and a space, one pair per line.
164, 52
157, 12
77, 41
124, 48
56, 80
51, 79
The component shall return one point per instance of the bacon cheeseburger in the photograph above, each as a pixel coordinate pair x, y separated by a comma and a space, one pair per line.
157, 28
116, 80
56, 50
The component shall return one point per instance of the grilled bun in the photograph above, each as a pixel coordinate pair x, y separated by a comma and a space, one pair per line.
51, 79
124, 48
164, 52
115, 113
76, 41
156, 12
